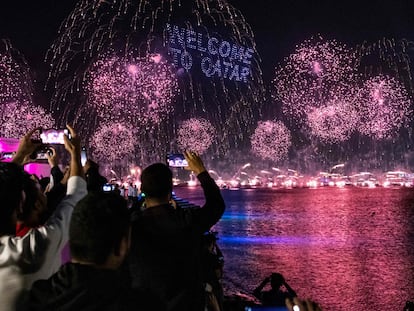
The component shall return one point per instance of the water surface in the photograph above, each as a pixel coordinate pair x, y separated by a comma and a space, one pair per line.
349, 248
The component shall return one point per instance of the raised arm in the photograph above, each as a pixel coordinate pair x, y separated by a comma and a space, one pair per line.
26, 147
258, 291
44, 243
214, 207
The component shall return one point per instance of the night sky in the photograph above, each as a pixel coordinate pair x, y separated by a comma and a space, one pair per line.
278, 25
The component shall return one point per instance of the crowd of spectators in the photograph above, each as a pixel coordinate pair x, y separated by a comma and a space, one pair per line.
154, 255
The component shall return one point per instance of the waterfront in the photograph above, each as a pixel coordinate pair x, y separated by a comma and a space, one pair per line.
348, 248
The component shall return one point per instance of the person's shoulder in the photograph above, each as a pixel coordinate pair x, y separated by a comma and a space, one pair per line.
143, 300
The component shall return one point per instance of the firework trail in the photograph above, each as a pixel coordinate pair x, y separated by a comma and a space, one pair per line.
18, 114
16, 80
209, 42
390, 57
196, 134
271, 140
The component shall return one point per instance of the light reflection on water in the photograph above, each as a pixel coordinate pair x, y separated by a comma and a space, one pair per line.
349, 249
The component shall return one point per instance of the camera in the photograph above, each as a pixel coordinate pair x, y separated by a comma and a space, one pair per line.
54, 136
108, 187
176, 160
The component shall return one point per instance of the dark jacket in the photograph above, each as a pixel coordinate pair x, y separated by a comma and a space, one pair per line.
165, 255
82, 287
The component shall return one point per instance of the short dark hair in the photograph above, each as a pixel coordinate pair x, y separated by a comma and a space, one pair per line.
13, 181
99, 223
156, 180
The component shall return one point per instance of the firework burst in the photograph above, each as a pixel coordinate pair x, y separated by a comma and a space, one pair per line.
311, 76
333, 123
388, 56
139, 90
196, 134
17, 113
271, 140
18, 118
215, 58
113, 142
384, 107
16, 80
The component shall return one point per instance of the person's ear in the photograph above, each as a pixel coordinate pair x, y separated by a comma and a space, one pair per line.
123, 247
19, 209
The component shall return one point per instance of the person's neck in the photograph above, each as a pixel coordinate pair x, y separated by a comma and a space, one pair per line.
151, 202
105, 266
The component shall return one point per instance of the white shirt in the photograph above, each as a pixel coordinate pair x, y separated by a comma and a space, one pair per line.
38, 253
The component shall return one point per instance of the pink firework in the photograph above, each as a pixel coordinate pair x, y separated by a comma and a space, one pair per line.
271, 140
146, 27
15, 79
137, 89
311, 76
18, 118
384, 107
196, 134
114, 142
333, 123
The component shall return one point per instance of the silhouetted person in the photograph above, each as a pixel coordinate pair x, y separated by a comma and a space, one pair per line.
212, 261
409, 306
35, 255
275, 296
166, 241
94, 179
99, 241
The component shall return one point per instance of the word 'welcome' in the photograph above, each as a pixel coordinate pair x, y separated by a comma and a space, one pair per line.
217, 58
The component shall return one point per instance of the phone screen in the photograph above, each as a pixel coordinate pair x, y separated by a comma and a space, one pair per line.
53, 136
84, 156
41, 155
176, 160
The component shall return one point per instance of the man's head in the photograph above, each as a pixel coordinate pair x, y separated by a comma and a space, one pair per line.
156, 181
99, 230
19, 196
276, 280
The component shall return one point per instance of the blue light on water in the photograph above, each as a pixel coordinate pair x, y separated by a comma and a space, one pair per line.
281, 240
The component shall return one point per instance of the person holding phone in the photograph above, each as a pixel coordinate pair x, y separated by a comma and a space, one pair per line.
276, 296
36, 255
166, 241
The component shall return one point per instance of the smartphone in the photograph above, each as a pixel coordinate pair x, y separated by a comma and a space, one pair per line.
176, 160
42, 155
6, 156
84, 156
54, 136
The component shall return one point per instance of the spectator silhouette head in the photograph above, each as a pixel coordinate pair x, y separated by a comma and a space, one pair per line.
99, 230
276, 281
156, 181
94, 179
19, 196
